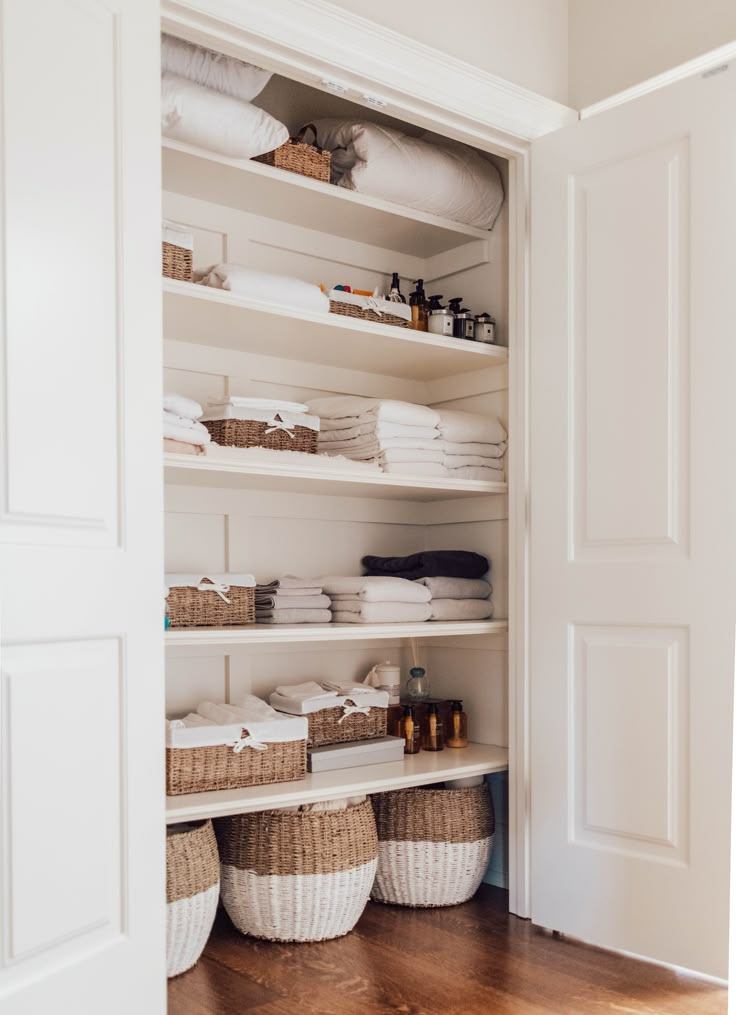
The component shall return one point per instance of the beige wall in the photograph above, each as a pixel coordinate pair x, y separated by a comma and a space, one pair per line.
614, 44
524, 41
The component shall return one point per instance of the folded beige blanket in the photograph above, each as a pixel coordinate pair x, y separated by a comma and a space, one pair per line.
461, 609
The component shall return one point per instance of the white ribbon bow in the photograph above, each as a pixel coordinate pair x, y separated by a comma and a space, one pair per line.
246, 740
373, 304
351, 710
215, 587
279, 424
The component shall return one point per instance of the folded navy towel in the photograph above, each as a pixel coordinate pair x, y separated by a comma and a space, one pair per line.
430, 564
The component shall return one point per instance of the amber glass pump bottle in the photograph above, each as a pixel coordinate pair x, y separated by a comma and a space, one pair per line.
433, 739
457, 735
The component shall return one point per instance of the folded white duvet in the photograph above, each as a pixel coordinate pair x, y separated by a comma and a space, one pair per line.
375, 589
199, 116
213, 70
448, 179
382, 613
463, 427
374, 409
266, 286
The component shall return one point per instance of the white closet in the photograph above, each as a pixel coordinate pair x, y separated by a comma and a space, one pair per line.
604, 681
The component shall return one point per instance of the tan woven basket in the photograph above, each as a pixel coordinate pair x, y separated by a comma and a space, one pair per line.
247, 433
298, 156
366, 314
332, 726
198, 769
297, 875
192, 893
434, 845
190, 607
176, 261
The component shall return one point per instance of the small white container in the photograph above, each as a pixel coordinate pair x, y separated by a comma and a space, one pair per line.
441, 322
386, 677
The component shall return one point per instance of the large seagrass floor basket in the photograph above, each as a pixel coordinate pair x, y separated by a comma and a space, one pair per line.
433, 845
297, 875
192, 891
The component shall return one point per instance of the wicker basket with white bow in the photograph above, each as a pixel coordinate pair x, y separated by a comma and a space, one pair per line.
224, 600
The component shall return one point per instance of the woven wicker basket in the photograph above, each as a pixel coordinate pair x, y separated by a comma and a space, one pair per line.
297, 876
434, 845
192, 892
176, 261
366, 314
333, 726
198, 769
190, 607
299, 156
247, 433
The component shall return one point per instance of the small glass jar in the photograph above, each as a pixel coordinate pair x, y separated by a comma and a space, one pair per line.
432, 738
417, 686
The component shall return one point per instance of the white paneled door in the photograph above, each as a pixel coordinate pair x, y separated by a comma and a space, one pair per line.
633, 534
81, 686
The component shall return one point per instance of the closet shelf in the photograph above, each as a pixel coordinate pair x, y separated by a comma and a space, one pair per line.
195, 313
185, 470
311, 204
415, 770
279, 634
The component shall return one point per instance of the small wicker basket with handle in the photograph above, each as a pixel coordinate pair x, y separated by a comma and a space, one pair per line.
299, 156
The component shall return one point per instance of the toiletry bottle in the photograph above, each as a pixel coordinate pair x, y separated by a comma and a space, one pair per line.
463, 320
417, 686
441, 319
409, 730
457, 735
432, 739
395, 295
485, 328
418, 304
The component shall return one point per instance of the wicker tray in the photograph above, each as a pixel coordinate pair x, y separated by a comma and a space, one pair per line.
327, 726
190, 607
198, 769
248, 433
298, 156
176, 261
366, 314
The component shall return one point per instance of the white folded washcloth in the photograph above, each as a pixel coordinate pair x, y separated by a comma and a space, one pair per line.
376, 589
181, 406
485, 450
267, 404
383, 613
347, 687
307, 691
462, 461
457, 588
386, 410
461, 427
250, 709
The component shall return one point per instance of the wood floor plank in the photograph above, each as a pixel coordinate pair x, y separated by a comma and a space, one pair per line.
467, 960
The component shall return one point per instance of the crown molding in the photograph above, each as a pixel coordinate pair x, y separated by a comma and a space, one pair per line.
314, 39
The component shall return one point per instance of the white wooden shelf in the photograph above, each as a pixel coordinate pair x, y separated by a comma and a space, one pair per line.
263, 190
414, 770
186, 470
195, 313
278, 634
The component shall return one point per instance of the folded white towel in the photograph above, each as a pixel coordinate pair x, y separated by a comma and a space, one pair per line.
384, 613
266, 286
293, 617
375, 430
186, 434
191, 720
475, 448
376, 589
290, 582
385, 410
416, 469
457, 588
280, 595
462, 461
182, 406
461, 609
269, 604
364, 698
264, 458
266, 404
392, 455
460, 427
183, 421
372, 442
307, 691
477, 472
249, 709
347, 687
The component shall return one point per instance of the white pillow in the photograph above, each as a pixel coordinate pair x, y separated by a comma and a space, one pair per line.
196, 115
214, 70
449, 179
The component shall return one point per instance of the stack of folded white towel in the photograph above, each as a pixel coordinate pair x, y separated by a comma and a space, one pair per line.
302, 699
459, 598
182, 431
400, 436
377, 600
474, 446
292, 600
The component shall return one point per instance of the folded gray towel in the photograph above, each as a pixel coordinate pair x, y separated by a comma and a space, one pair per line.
276, 603
461, 609
290, 581
294, 617
457, 588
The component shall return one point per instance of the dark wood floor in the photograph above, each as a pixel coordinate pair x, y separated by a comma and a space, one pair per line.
467, 960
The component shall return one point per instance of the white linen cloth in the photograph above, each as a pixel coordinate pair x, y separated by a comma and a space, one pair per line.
293, 617
372, 438
364, 697
178, 235
370, 427
457, 588
443, 178
434, 469
263, 458
357, 611
461, 609
278, 730
307, 691
176, 579
251, 709
475, 448
213, 70
477, 472
186, 434
463, 427
385, 410
266, 404
375, 589
266, 286
199, 116
184, 421
392, 455
178, 405
462, 461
